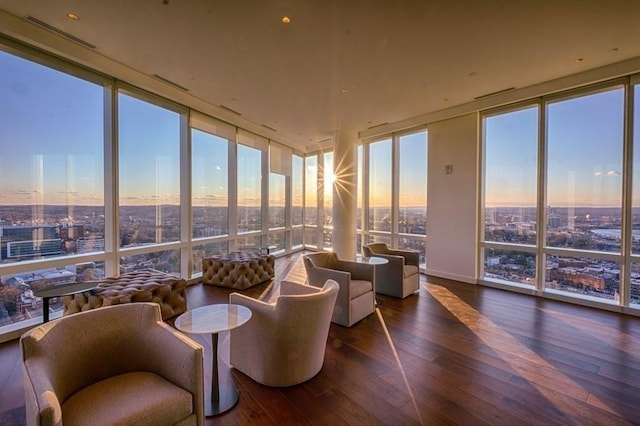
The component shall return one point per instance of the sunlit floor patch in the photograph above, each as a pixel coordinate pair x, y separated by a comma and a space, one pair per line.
528, 364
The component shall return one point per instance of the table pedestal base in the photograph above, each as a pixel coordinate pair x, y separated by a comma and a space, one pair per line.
228, 398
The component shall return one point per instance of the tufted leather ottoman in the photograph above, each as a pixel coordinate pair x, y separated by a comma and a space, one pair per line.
166, 290
238, 270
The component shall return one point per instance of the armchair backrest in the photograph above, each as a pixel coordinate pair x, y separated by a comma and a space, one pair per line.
76, 351
375, 248
327, 260
307, 312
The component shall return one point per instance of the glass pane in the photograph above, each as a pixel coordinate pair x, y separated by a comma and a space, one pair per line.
415, 244
311, 191
202, 251
510, 176
412, 174
380, 186
297, 170
328, 179
276, 200
583, 276
297, 237
359, 189
311, 237
52, 162
165, 261
210, 184
635, 201
249, 242
277, 239
249, 189
584, 171
326, 238
149, 167
635, 285
17, 301
510, 265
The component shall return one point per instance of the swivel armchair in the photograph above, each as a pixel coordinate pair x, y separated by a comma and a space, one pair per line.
284, 342
401, 276
356, 295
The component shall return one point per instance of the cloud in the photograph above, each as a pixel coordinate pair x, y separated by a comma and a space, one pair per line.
609, 173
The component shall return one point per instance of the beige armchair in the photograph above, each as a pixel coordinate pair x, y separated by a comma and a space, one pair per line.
114, 365
283, 343
401, 276
356, 297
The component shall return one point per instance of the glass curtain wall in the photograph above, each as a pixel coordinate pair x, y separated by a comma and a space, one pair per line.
311, 201
181, 186
52, 200
392, 192
554, 217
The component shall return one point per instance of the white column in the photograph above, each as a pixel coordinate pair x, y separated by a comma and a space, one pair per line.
344, 194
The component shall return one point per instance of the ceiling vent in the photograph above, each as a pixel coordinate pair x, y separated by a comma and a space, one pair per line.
494, 93
170, 83
269, 127
229, 109
59, 32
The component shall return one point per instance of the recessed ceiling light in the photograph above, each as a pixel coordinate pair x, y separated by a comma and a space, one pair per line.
286, 20
579, 59
616, 49
343, 91
73, 16
473, 74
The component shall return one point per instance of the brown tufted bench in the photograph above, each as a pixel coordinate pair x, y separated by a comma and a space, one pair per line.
238, 270
166, 290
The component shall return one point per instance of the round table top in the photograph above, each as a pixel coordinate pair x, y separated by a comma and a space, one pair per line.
373, 260
213, 318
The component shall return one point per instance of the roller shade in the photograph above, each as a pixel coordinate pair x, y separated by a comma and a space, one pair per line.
254, 141
211, 125
279, 159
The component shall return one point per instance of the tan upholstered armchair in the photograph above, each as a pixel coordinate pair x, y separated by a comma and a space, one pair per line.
401, 276
356, 297
283, 343
114, 365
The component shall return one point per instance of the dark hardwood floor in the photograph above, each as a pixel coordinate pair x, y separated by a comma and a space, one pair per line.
453, 354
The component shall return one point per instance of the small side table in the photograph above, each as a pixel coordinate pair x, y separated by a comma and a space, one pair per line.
373, 260
59, 291
212, 319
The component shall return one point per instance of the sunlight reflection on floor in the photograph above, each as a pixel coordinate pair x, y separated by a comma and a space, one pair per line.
529, 365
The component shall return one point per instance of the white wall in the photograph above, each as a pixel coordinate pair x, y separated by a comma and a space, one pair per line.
452, 198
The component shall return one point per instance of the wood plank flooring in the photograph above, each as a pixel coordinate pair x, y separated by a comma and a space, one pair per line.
452, 354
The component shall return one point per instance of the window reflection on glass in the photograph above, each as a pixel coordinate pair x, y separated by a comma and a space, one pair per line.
328, 179
511, 176
276, 200
380, 186
297, 170
635, 200
149, 168
584, 171
412, 174
249, 189
311, 191
52, 163
210, 187
359, 192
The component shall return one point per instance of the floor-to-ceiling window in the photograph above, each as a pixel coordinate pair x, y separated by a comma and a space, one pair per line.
149, 141
297, 200
52, 200
85, 193
327, 191
311, 201
392, 192
412, 193
210, 142
553, 200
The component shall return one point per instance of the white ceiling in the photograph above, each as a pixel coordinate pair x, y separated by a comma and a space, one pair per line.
395, 59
